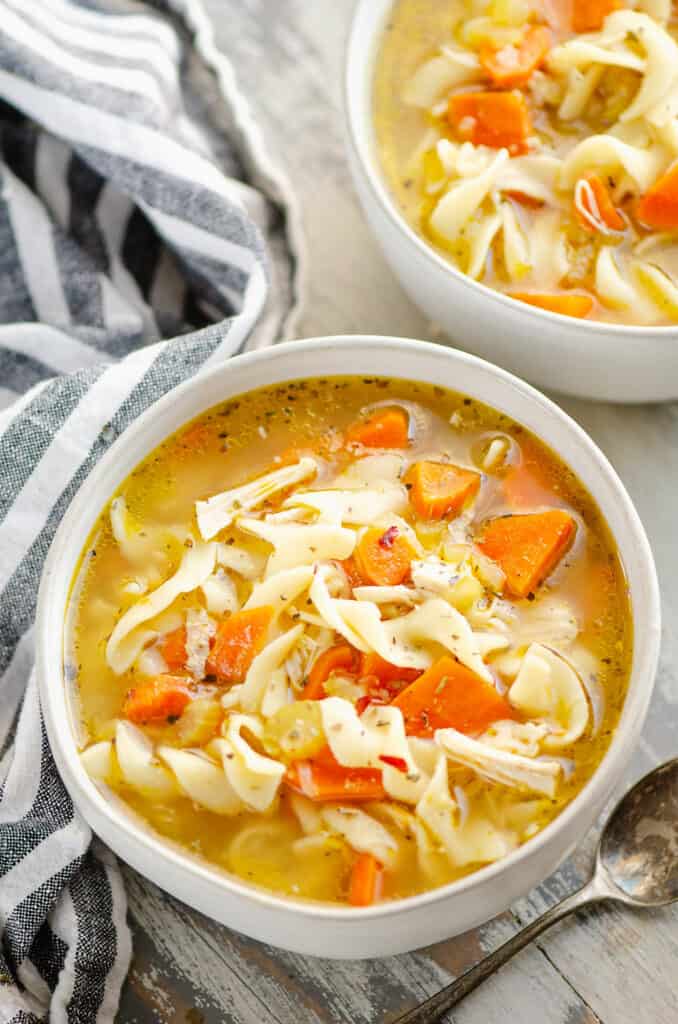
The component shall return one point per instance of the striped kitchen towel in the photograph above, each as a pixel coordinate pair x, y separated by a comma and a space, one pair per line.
137, 206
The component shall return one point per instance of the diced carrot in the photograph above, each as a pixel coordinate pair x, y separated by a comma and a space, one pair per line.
450, 695
338, 658
173, 649
589, 15
381, 680
567, 303
158, 698
509, 66
383, 557
352, 573
496, 119
593, 204
373, 665
239, 639
658, 208
366, 881
522, 197
528, 547
323, 779
439, 489
386, 428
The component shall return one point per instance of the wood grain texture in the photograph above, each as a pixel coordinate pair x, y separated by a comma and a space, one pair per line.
604, 966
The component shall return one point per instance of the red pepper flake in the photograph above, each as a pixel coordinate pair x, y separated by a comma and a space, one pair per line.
399, 763
364, 702
387, 540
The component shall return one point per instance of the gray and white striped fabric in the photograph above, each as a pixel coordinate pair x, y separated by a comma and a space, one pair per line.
137, 206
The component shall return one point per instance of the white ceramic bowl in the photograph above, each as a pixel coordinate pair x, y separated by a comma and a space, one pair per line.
318, 929
581, 357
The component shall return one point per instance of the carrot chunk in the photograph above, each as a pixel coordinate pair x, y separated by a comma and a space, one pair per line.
386, 428
366, 881
658, 208
383, 557
528, 547
589, 15
239, 639
496, 119
352, 573
567, 303
323, 779
438, 489
173, 649
509, 66
338, 658
450, 695
381, 680
372, 664
155, 699
593, 205
530, 202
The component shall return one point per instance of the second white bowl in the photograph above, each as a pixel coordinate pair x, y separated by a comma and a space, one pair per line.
581, 357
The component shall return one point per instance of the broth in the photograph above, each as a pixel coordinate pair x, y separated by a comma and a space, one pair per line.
581, 610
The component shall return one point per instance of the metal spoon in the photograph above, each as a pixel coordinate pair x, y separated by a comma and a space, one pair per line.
636, 864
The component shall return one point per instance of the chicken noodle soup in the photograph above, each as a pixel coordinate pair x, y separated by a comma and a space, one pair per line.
349, 639
534, 143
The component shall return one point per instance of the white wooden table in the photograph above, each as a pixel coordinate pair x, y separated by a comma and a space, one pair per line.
607, 965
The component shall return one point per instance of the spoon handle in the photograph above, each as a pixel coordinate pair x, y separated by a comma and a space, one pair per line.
432, 1009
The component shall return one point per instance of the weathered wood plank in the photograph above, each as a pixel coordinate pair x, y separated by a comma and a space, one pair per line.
186, 964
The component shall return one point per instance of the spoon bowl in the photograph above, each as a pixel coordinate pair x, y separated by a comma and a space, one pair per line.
638, 850
636, 864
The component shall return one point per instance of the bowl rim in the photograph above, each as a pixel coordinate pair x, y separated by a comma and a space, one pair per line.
356, 119
49, 653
